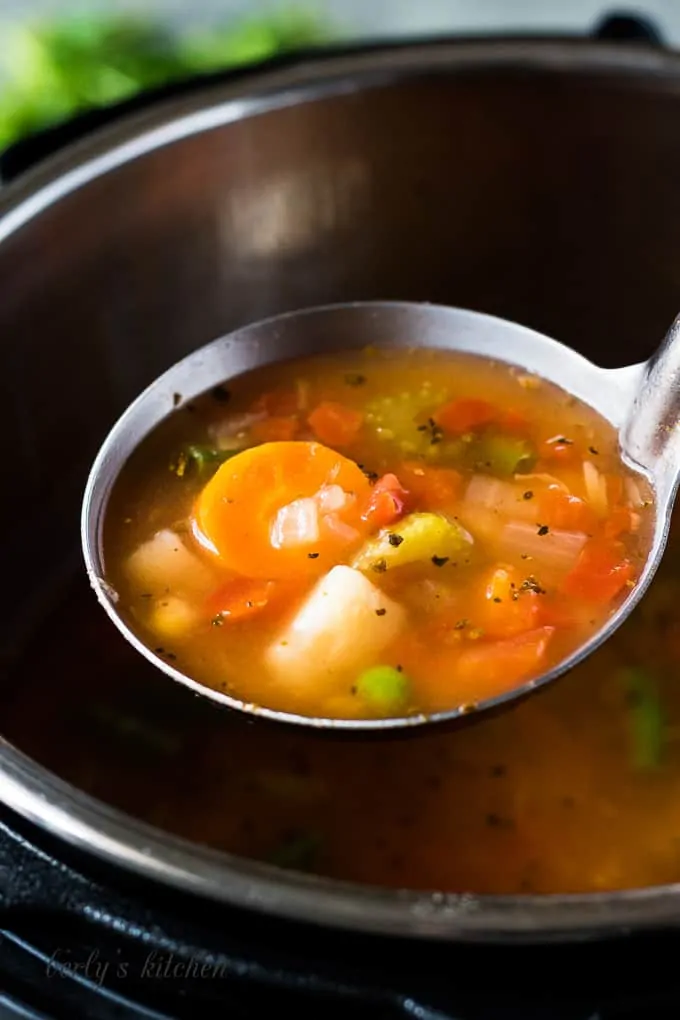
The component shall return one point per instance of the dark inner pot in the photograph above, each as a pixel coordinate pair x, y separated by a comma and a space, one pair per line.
535, 181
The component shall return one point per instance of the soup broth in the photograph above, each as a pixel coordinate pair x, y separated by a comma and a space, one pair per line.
375, 533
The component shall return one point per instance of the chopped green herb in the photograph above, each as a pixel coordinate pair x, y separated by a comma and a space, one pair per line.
502, 456
299, 852
646, 718
200, 458
395, 540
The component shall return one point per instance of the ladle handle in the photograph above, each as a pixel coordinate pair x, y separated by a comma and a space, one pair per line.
651, 432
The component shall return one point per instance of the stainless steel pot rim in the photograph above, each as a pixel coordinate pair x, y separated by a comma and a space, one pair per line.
83, 822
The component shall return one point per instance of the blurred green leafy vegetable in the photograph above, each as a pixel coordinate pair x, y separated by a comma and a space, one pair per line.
51, 72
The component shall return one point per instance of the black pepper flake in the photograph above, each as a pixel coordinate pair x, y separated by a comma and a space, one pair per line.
496, 599
439, 561
395, 540
313, 556
380, 612
217, 621
176, 399
591, 449
399, 669
528, 494
460, 624
543, 529
352, 690
380, 566
354, 379
531, 584
371, 475
221, 394
498, 770
146, 595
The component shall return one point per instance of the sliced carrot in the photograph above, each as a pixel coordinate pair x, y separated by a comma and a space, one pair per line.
385, 504
601, 572
335, 424
489, 668
235, 512
558, 509
506, 606
275, 430
465, 415
431, 488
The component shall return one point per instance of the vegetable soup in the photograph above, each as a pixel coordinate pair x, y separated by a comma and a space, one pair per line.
375, 534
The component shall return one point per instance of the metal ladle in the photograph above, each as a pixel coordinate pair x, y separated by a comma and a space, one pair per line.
642, 402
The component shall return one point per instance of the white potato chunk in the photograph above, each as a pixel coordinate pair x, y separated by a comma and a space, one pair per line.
164, 565
173, 618
342, 627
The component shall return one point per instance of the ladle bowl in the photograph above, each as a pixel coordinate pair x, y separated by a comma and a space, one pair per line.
642, 402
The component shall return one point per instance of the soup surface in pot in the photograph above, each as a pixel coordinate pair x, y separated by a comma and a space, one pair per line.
576, 788
375, 533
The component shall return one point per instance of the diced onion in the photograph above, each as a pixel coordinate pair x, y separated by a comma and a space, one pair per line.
496, 496
227, 432
633, 493
332, 498
556, 550
596, 489
296, 524
334, 526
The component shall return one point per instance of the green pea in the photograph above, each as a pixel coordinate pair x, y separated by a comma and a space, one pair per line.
384, 687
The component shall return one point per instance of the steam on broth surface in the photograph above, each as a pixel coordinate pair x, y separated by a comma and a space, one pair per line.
375, 534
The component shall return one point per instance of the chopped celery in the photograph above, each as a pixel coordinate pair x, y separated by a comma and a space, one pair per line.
417, 537
646, 718
298, 852
402, 419
384, 687
502, 456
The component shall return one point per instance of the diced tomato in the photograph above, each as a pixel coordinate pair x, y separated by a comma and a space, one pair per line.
621, 521
278, 403
601, 572
493, 667
558, 509
241, 598
275, 430
512, 421
431, 488
386, 503
334, 424
462, 416
505, 609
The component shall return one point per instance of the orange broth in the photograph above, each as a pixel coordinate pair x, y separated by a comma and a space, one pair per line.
375, 534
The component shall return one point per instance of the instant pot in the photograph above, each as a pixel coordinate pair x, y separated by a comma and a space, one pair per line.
532, 178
